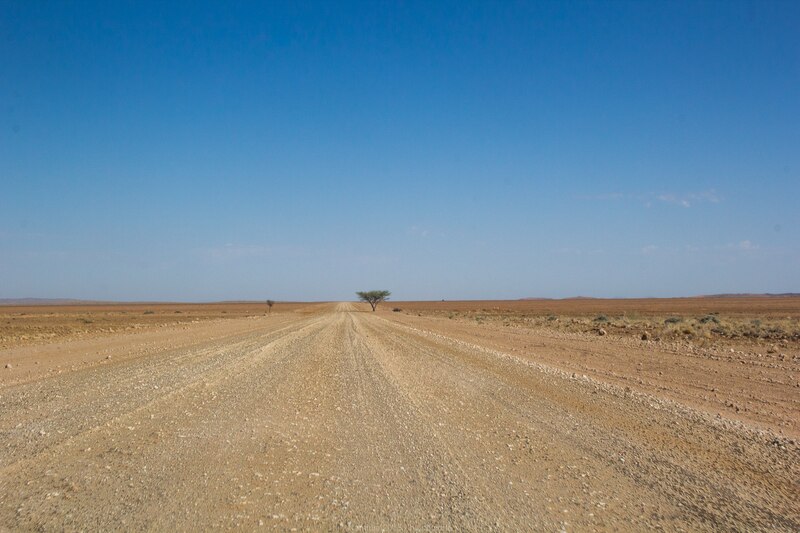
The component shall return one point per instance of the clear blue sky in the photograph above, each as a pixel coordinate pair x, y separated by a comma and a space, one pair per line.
236, 150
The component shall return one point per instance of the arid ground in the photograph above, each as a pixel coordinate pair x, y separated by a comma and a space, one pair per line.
569, 415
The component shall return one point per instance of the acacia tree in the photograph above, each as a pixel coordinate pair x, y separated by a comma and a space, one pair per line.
270, 303
373, 298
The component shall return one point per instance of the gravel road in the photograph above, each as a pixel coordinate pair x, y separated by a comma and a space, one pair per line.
348, 420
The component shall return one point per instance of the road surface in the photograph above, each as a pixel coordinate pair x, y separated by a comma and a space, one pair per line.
347, 420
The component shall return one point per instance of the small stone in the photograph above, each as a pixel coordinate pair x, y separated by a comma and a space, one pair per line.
601, 332
8, 365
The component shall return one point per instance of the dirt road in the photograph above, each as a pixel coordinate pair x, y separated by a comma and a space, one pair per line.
343, 419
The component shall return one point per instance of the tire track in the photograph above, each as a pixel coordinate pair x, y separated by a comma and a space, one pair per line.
679, 463
345, 421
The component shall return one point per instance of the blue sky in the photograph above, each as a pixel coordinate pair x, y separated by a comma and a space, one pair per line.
193, 151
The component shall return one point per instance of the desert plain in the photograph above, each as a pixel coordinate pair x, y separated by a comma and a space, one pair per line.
530, 415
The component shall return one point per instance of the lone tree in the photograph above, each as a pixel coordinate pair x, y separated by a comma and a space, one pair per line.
373, 298
270, 303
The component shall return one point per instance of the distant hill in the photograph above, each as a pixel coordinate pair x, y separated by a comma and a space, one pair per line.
568, 298
726, 295
752, 295
43, 301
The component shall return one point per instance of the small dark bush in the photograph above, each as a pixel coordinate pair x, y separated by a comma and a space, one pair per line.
148, 312
709, 318
673, 320
601, 318
396, 310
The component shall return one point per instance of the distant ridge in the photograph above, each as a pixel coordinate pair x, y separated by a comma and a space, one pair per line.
533, 298
44, 301
74, 301
724, 295
751, 295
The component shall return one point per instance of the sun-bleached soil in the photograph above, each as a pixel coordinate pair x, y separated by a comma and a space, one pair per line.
329, 417
28, 325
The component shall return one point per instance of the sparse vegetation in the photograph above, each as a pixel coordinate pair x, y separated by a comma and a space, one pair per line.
709, 328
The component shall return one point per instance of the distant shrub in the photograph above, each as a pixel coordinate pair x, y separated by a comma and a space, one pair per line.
396, 310
551, 318
148, 312
709, 319
601, 318
673, 320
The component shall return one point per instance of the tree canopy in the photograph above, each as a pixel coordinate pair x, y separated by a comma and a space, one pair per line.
373, 298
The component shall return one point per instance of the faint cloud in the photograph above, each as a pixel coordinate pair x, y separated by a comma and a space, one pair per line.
649, 249
689, 199
741, 246
418, 231
422, 232
745, 246
673, 199
684, 200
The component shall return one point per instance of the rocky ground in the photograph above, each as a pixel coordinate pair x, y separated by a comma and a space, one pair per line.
332, 418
